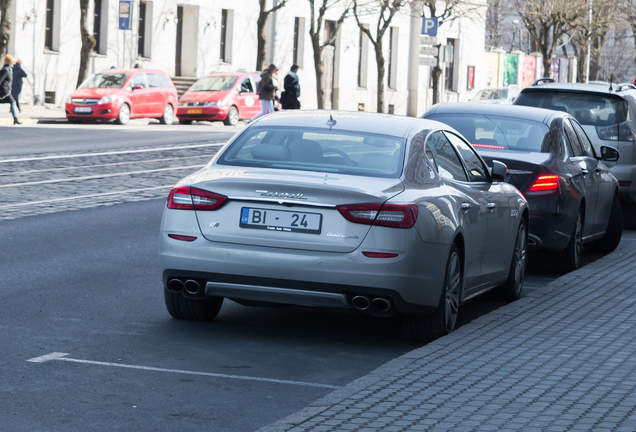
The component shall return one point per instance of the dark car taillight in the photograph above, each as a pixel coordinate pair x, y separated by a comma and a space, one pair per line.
191, 198
388, 215
544, 184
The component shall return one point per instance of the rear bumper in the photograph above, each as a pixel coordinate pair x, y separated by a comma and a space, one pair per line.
548, 228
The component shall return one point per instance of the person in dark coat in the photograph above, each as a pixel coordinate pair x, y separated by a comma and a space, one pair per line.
267, 92
18, 75
289, 98
6, 84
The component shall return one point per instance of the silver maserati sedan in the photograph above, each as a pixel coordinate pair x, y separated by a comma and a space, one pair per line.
377, 213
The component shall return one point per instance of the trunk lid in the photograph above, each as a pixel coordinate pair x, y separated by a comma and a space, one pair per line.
288, 209
521, 165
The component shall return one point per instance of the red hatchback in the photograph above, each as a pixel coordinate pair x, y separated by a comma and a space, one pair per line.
122, 94
221, 96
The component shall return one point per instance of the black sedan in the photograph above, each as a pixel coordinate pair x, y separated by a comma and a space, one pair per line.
573, 197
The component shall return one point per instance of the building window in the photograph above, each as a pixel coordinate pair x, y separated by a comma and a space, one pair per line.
145, 29
100, 26
363, 58
449, 59
393, 52
52, 29
227, 24
299, 41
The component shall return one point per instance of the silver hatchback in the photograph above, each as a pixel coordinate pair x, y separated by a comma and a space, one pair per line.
369, 212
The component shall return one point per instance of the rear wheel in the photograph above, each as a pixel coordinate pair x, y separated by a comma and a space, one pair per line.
443, 320
190, 309
185, 121
570, 257
168, 115
511, 290
232, 117
124, 115
613, 233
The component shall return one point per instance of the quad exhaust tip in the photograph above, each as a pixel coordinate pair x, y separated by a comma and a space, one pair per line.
175, 285
192, 286
378, 304
361, 303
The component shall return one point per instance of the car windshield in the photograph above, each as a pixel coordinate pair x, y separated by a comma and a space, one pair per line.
488, 94
306, 149
497, 132
106, 80
214, 83
588, 108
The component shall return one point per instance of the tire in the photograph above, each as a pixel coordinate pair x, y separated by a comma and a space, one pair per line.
443, 320
570, 257
168, 115
511, 290
185, 121
232, 118
629, 216
184, 308
124, 115
613, 233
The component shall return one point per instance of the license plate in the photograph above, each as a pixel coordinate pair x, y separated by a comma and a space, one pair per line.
83, 109
195, 111
277, 220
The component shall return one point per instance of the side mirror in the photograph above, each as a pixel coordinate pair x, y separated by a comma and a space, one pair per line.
138, 87
609, 154
498, 171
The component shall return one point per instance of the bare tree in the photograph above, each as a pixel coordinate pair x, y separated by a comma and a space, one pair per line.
319, 43
5, 25
386, 10
263, 14
548, 21
627, 10
88, 42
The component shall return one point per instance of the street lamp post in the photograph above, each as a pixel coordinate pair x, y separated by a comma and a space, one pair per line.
589, 46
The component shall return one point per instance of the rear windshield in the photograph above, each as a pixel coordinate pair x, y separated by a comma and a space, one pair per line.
306, 149
489, 94
594, 109
106, 80
496, 132
214, 83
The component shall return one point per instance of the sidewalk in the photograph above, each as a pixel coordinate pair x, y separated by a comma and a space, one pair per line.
31, 115
563, 358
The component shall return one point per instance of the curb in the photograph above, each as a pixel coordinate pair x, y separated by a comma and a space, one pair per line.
25, 122
531, 300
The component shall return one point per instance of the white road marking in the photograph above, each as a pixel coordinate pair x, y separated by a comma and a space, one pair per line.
100, 176
62, 357
69, 156
84, 196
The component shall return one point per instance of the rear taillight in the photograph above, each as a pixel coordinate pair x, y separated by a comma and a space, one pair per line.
389, 215
616, 132
191, 198
545, 184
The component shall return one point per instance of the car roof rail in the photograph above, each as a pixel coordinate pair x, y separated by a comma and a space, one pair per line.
624, 86
540, 80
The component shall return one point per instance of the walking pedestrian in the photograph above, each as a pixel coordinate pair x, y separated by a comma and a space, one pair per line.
6, 84
267, 92
289, 98
18, 75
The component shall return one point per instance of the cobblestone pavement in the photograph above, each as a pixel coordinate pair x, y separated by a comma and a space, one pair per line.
563, 358
69, 181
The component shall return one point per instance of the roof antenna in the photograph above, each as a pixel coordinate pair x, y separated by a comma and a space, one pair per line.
611, 79
331, 122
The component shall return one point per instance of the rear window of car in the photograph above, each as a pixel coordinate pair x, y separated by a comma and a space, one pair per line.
307, 149
214, 83
595, 109
106, 80
497, 132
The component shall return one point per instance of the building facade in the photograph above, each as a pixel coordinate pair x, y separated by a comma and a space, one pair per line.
196, 37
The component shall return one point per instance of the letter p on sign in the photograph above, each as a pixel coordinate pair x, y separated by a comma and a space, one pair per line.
429, 26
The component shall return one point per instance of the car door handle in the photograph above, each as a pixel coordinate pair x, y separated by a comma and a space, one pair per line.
465, 206
491, 206
584, 172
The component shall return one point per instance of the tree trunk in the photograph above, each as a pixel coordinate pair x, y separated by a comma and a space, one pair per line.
547, 65
379, 60
88, 43
320, 91
5, 26
436, 74
261, 41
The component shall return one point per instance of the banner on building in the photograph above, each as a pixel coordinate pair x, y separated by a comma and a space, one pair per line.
510, 69
491, 69
470, 82
528, 70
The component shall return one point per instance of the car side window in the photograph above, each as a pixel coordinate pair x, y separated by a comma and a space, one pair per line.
583, 139
153, 80
165, 82
140, 79
477, 171
246, 86
572, 139
447, 162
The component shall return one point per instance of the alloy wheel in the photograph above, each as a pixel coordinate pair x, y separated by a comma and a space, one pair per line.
452, 290
520, 258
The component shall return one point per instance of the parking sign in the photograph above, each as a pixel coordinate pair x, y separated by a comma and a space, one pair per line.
429, 26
